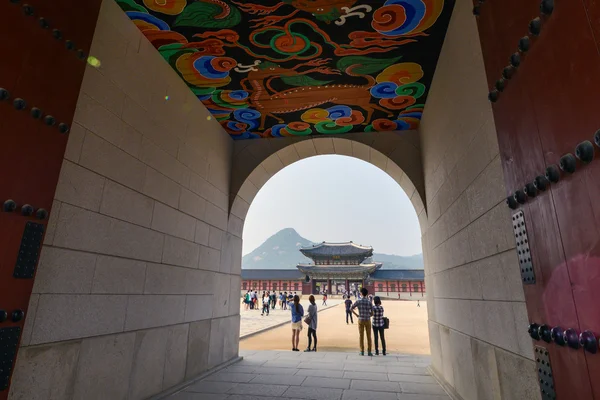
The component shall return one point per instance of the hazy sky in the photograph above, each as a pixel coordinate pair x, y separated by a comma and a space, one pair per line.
336, 199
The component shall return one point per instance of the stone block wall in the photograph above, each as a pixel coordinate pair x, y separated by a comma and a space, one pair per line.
137, 287
477, 315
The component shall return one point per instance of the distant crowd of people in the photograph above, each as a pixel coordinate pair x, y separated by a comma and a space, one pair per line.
267, 301
370, 316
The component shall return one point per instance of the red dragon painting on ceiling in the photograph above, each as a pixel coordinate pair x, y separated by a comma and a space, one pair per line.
300, 67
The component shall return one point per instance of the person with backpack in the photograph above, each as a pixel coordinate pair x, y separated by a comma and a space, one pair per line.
378, 325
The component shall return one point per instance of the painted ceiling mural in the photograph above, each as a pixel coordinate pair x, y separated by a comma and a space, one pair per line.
272, 68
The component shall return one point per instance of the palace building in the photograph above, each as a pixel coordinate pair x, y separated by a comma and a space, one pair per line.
338, 268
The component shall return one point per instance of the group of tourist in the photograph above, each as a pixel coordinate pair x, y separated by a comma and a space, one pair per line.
368, 307
267, 301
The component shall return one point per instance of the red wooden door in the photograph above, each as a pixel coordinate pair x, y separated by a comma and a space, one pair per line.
547, 108
38, 70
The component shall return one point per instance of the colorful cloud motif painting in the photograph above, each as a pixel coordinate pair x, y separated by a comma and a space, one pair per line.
273, 68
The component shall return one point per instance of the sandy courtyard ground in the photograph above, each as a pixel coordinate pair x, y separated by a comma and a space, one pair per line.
408, 331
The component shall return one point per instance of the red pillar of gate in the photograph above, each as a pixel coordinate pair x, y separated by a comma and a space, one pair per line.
328, 286
40, 80
557, 77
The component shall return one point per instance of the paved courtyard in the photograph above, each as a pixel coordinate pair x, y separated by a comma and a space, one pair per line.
252, 322
271, 375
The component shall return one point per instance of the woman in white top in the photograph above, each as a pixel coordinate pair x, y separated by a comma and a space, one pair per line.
312, 324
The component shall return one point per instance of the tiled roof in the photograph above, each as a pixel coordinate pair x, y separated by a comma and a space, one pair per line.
337, 269
294, 274
337, 249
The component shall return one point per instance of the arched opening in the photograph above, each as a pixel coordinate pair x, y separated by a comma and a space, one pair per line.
306, 209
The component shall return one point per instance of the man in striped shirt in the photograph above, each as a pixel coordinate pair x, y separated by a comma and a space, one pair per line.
365, 310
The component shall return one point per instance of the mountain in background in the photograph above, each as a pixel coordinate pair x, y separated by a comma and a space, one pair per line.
282, 251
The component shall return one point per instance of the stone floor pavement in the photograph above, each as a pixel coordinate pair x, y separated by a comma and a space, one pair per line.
271, 375
252, 321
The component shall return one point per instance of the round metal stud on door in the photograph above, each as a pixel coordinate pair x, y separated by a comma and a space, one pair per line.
558, 335
553, 174
26, 210
63, 128
571, 338
524, 44
17, 315
28, 10
511, 202
49, 120
43, 23
500, 85
535, 26
520, 197
493, 96
3, 315
477, 8
19, 104
534, 331
547, 7
596, 135
585, 151
508, 72
36, 113
530, 190
5, 94
41, 214
515, 60
568, 163
588, 341
541, 183
9, 206
544, 333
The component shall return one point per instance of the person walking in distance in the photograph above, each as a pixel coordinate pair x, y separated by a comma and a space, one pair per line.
324, 299
284, 301
297, 314
365, 310
265, 303
348, 304
273, 299
418, 305
312, 323
378, 325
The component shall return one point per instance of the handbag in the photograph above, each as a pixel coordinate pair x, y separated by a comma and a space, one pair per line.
307, 320
386, 323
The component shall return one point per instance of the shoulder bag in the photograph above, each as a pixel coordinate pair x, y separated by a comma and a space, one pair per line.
386, 323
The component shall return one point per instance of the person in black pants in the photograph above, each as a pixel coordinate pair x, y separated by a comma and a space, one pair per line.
312, 324
348, 304
378, 325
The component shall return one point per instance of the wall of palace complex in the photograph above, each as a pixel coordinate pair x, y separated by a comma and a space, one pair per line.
279, 280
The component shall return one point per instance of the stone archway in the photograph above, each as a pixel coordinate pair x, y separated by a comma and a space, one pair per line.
396, 153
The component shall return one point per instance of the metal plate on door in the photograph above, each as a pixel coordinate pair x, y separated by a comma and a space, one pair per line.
545, 375
29, 251
525, 264
9, 340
